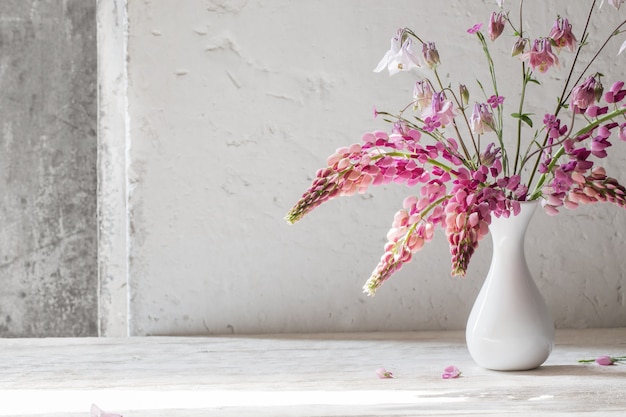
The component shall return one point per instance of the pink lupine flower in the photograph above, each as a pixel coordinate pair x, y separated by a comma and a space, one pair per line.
616, 93
474, 28
583, 95
604, 360
400, 57
496, 25
562, 35
595, 111
432, 123
622, 132
382, 373
430, 54
451, 372
482, 119
540, 57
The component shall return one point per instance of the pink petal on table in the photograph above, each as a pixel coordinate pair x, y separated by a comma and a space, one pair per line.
451, 372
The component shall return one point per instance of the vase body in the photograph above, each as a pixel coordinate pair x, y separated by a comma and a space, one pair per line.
510, 327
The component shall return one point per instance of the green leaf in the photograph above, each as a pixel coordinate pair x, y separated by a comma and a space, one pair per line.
524, 118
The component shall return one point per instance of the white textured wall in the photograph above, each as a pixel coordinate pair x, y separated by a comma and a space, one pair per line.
235, 104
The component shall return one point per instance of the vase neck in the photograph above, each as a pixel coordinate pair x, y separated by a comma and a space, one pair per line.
513, 228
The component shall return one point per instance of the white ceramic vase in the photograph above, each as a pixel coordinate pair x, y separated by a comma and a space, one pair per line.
510, 327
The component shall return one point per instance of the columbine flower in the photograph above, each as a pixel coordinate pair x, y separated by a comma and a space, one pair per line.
540, 57
400, 56
459, 183
451, 372
583, 95
481, 120
430, 54
422, 94
614, 3
488, 157
496, 25
440, 107
383, 373
562, 35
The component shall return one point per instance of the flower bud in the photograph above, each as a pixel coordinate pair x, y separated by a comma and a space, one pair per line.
598, 90
430, 54
464, 94
519, 47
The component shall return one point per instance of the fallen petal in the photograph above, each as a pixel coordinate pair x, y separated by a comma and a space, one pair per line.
383, 373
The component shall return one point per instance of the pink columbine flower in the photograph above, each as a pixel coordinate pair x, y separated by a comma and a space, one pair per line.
440, 107
474, 28
400, 57
383, 373
482, 119
496, 25
583, 95
540, 57
604, 360
451, 372
562, 35
430, 54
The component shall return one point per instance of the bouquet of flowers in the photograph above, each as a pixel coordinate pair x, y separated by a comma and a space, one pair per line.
453, 152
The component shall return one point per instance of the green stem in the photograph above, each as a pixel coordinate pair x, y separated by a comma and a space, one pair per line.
562, 97
526, 77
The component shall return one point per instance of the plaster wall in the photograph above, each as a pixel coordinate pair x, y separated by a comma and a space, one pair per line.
48, 274
233, 106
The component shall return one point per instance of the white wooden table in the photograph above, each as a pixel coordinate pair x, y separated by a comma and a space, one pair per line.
303, 375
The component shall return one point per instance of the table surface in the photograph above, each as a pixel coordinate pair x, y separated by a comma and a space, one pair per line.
303, 375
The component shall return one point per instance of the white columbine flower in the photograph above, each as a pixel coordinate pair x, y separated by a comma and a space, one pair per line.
400, 57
